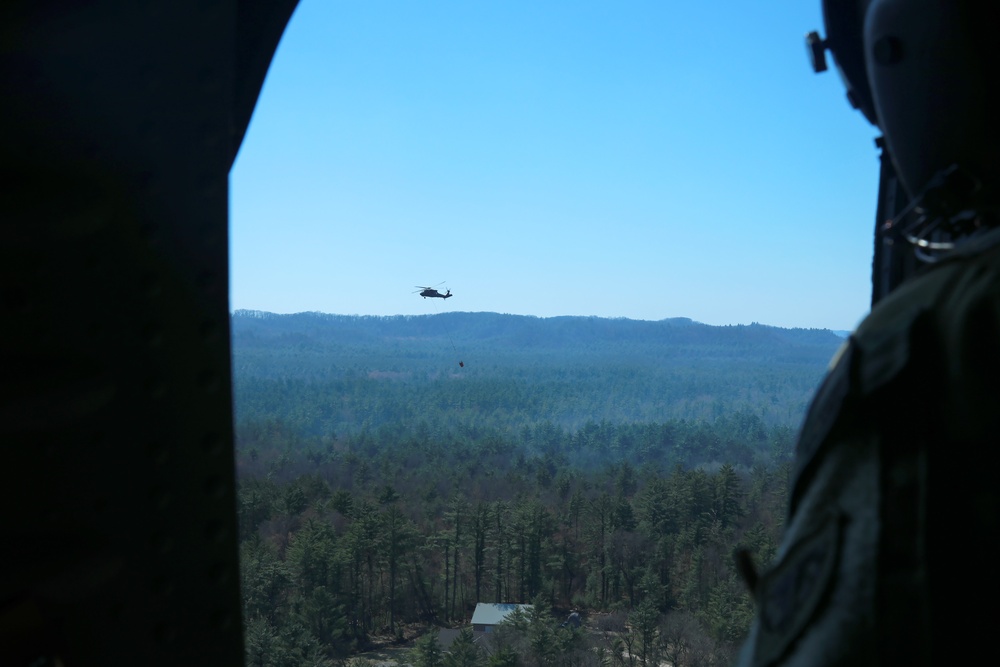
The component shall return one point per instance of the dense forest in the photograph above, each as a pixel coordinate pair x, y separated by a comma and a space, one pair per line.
608, 466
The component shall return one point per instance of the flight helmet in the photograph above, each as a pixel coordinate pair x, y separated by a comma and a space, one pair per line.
925, 72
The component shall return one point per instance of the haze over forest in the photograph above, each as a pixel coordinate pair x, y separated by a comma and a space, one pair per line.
567, 370
395, 471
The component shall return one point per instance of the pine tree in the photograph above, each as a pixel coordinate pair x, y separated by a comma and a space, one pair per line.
427, 651
504, 657
463, 651
644, 621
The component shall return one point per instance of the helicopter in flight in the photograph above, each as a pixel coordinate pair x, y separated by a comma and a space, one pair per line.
432, 292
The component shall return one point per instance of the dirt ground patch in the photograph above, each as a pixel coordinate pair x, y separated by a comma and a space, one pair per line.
389, 651
396, 656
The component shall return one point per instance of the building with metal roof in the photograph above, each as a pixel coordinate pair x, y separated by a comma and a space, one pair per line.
489, 614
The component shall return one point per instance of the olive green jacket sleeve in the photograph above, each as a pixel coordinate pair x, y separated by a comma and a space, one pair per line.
896, 459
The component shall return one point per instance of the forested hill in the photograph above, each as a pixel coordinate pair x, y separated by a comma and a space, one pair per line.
395, 471
323, 373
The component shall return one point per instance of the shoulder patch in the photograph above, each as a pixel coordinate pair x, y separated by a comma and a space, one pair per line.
792, 593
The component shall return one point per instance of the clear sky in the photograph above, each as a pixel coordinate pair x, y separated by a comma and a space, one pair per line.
639, 159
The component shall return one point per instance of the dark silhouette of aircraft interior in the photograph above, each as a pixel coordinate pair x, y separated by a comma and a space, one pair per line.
120, 121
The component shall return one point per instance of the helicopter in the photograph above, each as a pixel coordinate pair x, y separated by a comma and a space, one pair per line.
432, 292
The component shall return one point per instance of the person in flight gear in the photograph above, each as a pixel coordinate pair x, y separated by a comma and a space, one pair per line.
891, 540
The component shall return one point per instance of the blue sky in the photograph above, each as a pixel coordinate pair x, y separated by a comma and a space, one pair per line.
619, 159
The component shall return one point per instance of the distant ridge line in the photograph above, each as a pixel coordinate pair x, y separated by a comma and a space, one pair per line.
678, 321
